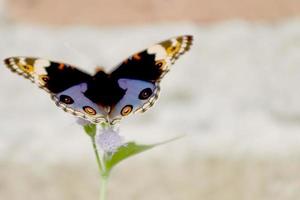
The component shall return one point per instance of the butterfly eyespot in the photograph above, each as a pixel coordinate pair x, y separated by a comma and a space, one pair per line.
66, 99
26, 68
145, 93
44, 78
173, 49
89, 110
159, 64
126, 110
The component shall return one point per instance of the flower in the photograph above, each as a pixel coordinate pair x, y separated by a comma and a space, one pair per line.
109, 140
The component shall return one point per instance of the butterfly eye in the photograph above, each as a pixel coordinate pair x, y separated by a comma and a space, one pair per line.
89, 110
126, 110
145, 93
66, 99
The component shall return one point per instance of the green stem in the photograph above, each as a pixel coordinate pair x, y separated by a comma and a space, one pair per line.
103, 188
102, 170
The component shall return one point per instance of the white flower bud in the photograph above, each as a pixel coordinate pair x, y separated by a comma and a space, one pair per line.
109, 140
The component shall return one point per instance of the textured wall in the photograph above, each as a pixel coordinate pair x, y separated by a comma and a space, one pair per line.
140, 11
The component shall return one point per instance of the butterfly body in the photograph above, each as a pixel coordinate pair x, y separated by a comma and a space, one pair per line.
104, 97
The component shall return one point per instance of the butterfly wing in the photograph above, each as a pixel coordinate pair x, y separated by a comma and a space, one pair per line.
141, 73
132, 87
66, 85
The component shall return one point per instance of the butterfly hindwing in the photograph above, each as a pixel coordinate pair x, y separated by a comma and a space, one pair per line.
147, 67
74, 101
65, 83
137, 92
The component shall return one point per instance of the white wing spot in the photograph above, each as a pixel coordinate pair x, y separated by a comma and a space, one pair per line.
41, 63
159, 51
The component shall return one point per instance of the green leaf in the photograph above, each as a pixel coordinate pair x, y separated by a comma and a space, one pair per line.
128, 150
124, 152
90, 129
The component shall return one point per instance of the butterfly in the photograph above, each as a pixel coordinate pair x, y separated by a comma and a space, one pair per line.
133, 86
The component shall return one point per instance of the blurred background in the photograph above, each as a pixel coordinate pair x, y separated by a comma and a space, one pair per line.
235, 94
